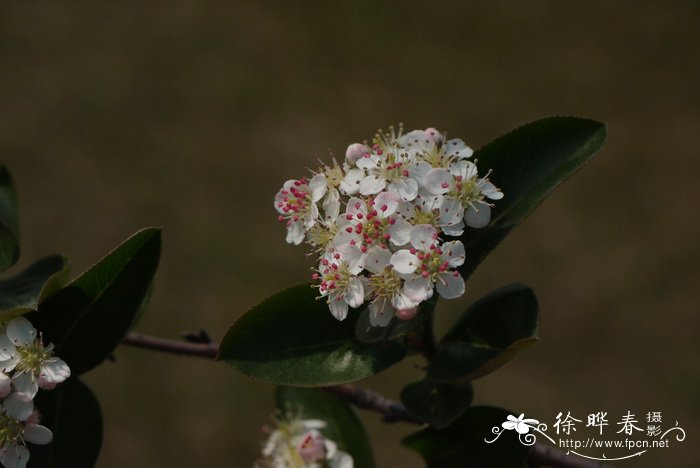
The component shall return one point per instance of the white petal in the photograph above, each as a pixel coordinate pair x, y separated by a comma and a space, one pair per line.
450, 286
314, 424
338, 307
453, 253
418, 289
479, 217
400, 232
454, 230
489, 190
423, 236
372, 184
7, 348
380, 312
406, 188
19, 406
457, 147
354, 293
14, 456
386, 204
377, 259
438, 181
451, 211
351, 182
356, 205
25, 383
401, 302
404, 262
318, 187
465, 169
418, 171
5, 385
368, 163
331, 205
295, 232
55, 371
341, 460
354, 257
8, 365
37, 434
20, 331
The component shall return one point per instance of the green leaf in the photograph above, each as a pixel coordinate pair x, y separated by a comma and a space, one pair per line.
73, 413
343, 426
23, 292
489, 333
463, 442
292, 339
9, 224
527, 164
89, 317
438, 404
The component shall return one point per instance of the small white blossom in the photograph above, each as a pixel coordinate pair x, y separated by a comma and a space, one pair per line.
18, 425
299, 443
464, 194
339, 282
428, 263
34, 364
297, 209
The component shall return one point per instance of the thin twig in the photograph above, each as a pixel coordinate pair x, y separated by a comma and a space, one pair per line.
182, 348
365, 398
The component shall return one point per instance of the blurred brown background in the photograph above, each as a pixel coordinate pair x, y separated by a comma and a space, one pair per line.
190, 115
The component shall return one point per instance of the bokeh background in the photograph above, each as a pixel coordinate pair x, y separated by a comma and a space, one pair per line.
190, 115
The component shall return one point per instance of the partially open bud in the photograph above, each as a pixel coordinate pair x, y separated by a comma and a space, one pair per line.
355, 152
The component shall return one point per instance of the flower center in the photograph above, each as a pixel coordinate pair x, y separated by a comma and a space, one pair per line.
295, 202
334, 175
466, 192
320, 235
10, 429
432, 264
386, 284
32, 356
334, 277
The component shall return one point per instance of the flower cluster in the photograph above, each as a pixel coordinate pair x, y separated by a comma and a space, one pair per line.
26, 365
378, 222
298, 443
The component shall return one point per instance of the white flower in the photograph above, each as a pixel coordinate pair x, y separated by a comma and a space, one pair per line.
464, 194
298, 443
324, 186
372, 222
18, 425
338, 279
34, 364
386, 288
297, 209
428, 263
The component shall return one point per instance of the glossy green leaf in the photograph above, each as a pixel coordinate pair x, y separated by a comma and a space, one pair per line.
73, 413
292, 339
489, 333
9, 223
89, 317
342, 424
24, 291
527, 164
438, 404
463, 443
